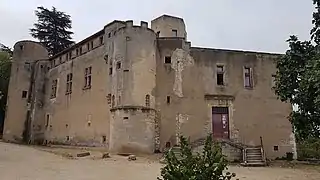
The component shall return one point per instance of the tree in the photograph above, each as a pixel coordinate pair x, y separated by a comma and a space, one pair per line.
206, 166
5, 68
297, 80
52, 29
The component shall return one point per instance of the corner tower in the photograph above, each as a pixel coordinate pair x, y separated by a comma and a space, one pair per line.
17, 123
169, 26
131, 60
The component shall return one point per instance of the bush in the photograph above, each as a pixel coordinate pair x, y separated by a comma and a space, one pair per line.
209, 165
308, 148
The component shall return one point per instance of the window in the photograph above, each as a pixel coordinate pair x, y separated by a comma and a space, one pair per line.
168, 100
60, 59
47, 120
80, 50
167, 60
273, 80
118, 65
158, 34
77, 52
220, 75
248, 77
119, 100
91, 44
110, 71
148, 100
125, 117
109, 35
275, 148
70, 54
54, 88
109, 98
21, 47
87, 77
112, 101
88, 47
101, 40
67, 57
69, 83
174, 32
24, 94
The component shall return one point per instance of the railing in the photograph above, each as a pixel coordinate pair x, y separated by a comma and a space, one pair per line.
262, 150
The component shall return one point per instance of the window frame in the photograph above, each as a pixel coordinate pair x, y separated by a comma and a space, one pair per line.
88, 77
248, 75
69, 83
218, 73
54, 87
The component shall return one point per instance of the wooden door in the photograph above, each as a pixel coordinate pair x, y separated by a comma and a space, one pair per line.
220, 122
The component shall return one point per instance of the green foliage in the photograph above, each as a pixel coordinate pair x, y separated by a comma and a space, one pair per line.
209, 165
5, 68
309, 148
298, 80
52, 29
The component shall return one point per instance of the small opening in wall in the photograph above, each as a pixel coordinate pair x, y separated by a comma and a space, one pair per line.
21, 47
168, 145
118, 65
168, 100
125, 117
158, 34
89, 123
174, 32
24, 94
67, 125
109, 35
68, 138
167, 60
110, 71
41, 66
104, 139
276, 148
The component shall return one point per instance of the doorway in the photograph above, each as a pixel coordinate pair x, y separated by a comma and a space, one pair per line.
220, 122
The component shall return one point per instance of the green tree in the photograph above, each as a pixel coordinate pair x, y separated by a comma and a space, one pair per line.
5, 68
195, 166
298, 80
52, 29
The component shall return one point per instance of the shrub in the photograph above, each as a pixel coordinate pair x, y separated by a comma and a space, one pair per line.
209, 165
308, 148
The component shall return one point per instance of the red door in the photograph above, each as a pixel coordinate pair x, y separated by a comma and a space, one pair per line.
220, 122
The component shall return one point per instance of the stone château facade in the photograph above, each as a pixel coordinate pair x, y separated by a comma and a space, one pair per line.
136, 89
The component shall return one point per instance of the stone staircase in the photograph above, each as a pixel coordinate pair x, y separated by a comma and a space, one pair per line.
253, 156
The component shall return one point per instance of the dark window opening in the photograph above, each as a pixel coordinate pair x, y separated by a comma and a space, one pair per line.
70, 55
80, 50
69, 84
60, 59
109, 98
220, 75
88, 47
110, 71
112, 101
87, 77
125, 117
174, 32
247, 77
167, 60
77, 52
101, 40
21, 47
67, 57
148, 100
158, 34
47, 120
119, 100
54, 88
109, 35
276, 148
168, 100
104, 139
24, 94
68, 138
118, 65
91, 44
67, 125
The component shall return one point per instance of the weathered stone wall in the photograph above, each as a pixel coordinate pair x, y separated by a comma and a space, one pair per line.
132, 130
165, 24
25, 55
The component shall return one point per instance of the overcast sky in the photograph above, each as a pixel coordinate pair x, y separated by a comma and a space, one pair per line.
259, 25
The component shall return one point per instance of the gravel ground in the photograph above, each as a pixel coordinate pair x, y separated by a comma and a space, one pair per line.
18, 162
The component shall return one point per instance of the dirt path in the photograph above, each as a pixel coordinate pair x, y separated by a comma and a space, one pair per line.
19, 162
